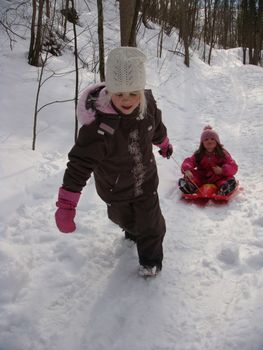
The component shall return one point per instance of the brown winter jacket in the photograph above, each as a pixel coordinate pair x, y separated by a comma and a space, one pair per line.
115, 147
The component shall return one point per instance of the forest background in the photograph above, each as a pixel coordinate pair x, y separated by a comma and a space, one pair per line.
201, 26
82, 291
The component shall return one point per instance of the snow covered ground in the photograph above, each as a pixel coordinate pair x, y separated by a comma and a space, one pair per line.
82, 291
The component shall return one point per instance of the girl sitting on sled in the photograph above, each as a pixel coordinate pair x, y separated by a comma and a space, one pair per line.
210, 164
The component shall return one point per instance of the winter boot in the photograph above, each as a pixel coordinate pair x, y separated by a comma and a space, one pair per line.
186, 187
148, 271
227, 187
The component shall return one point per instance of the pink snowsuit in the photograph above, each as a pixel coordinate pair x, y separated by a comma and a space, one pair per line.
203, 171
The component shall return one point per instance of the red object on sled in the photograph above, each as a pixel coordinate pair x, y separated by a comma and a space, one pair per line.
209, 191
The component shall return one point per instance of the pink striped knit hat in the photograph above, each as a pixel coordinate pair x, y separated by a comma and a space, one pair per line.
209, 133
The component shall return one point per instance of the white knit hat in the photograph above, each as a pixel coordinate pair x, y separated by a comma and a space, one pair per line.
125, 70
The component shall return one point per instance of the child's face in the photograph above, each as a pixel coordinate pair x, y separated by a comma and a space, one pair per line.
209, 144
126, 102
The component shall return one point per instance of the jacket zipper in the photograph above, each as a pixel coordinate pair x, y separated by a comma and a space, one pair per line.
115, 183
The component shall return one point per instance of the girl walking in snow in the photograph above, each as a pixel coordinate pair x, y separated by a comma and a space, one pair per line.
120, 123
211, 163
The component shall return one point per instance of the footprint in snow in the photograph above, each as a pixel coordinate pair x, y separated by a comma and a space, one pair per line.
229, 255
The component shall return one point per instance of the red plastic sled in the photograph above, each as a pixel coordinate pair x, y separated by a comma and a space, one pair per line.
208, 191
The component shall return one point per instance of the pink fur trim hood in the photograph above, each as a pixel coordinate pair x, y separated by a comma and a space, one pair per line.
87, 116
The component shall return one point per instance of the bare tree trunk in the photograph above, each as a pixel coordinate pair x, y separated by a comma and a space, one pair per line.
212, 31
225, 25
127, 12
260, 26
205, 31
76, 73
250, 55
160, 43
243, 28
185, 33
257, 49
34, 54
101, 40
36, 110
36, 107
187, 13
258, 32
47, 8
132, 40
32, 36
145, 12
244, 55
65, 19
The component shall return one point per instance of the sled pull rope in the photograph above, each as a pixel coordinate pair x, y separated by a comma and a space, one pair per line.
176, 162
180, 170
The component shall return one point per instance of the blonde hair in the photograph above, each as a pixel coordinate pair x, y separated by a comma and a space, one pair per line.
143, 103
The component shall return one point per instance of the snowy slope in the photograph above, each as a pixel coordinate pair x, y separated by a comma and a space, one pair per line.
82, 291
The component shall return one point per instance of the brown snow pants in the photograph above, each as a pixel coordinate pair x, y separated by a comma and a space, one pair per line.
142, 218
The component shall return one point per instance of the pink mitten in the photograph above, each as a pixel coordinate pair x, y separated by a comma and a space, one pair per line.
67, 203
166, 149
